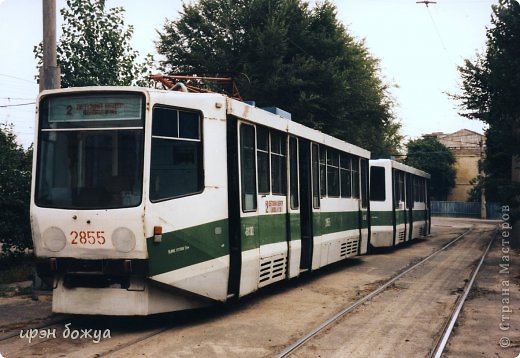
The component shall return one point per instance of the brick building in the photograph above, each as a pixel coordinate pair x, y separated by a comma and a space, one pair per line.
468, 148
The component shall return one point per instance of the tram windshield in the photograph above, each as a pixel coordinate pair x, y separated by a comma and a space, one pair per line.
90, 151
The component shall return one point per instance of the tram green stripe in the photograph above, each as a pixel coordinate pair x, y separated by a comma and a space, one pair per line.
331, 222
294, 227
381, 218
267, 229
205, 242
419, 215
188, 246
400, 217
384, 218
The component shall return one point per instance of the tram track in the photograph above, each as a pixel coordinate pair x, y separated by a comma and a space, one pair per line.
450, 324
288, 350
193, 333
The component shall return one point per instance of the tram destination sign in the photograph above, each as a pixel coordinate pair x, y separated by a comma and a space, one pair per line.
95, 107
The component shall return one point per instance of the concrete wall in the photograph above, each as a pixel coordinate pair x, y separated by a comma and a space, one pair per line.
467, 169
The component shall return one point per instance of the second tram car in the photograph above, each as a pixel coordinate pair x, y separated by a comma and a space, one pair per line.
399, 203
146, 201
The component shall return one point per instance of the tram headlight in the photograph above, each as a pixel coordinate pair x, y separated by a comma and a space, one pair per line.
123, 239
54, 239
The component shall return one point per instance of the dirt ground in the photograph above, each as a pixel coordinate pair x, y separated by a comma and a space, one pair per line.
402, 321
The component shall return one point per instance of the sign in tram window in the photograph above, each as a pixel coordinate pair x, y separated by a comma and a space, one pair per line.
95, 107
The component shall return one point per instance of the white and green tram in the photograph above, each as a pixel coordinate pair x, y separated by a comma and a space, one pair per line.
146, 201
399, 203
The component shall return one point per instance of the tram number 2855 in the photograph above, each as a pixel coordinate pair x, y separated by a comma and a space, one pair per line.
88, 237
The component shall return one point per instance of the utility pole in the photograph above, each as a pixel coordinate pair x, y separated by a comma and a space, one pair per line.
49, 72
515, 178
483, 211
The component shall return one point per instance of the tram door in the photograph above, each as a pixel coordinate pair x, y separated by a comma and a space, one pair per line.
364, 207
409, 205
305, 204
400, 213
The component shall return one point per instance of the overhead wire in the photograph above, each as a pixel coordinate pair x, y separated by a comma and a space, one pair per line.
439, 35
17, 105
17, 78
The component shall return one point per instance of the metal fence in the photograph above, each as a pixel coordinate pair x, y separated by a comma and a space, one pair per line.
464, 209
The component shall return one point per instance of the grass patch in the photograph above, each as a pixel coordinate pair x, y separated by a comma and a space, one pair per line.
16, 268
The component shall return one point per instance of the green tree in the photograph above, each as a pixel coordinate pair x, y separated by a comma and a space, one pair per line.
490, 92
94, 48
430, 155
15, 188
287, 54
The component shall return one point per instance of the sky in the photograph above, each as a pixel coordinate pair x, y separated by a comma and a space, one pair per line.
419, 49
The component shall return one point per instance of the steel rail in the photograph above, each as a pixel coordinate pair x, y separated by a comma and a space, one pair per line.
300, 342
439, 349
133, 342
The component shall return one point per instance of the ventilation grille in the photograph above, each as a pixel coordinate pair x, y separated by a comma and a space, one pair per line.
402, 235
349, 248
422, 231
272, 269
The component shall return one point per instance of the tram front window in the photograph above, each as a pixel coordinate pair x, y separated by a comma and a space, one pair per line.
90, 164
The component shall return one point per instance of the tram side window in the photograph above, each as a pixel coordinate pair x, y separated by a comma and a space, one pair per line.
278, 163
355, 177
364, 183
377, 184
409, 188
262, 155
247, 165
399, 188
402, 190
293, 171
332, 173
422, 189
416, 189
397, 194
315, 176
323, 172
176, 159
345, 176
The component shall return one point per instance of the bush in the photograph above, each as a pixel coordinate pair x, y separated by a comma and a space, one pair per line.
15, 190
